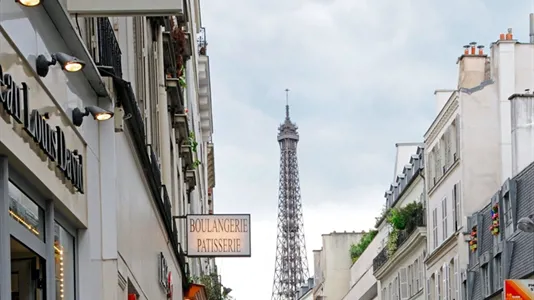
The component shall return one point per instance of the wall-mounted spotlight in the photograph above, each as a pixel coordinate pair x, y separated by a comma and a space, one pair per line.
68, 63
28, 3
98, 114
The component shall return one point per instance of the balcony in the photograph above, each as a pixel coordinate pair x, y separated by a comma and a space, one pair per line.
204, 86
413, 229
152, 8
109, 55
150, 167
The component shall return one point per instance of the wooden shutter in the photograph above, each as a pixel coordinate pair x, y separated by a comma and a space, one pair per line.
438, 282
403, 276
446, 281
457, 279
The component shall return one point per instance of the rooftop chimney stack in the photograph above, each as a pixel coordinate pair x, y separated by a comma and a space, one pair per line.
472, 66
522, 117
532, 28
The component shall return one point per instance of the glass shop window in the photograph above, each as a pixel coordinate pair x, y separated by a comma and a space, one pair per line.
64, 260
26, 212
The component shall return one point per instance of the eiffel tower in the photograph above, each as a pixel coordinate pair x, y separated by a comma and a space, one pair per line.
291, 266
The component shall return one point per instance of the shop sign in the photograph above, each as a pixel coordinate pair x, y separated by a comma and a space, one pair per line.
218, 235
165, 276
519, 289
51, 140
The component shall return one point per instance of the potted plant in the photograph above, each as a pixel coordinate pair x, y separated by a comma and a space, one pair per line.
494, 228
474, 240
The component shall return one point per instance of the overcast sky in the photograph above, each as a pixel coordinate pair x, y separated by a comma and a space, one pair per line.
362, 75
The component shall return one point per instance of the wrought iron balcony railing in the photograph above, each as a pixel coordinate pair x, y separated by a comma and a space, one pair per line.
109, 51
418, 220
202, 42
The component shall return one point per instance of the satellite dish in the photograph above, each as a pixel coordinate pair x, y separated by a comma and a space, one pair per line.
526, 224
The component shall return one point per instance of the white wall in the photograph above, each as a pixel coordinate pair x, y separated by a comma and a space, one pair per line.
361, 272
141, 236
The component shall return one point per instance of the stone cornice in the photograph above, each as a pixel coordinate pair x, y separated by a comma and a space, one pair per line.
442, 119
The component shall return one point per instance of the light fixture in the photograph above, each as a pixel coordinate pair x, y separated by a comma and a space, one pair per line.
526, 224
98, 114
28, 3
68, 63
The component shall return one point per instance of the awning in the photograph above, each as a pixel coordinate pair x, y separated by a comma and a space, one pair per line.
196, 292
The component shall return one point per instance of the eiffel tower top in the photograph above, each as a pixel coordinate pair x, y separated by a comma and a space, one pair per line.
288, 129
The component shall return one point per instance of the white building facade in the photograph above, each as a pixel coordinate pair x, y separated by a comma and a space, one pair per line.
95, 209
469, 149
399, 266
332, 265
363, 284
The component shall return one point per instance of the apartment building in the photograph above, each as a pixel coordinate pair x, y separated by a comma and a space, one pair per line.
363, 284
113, 210
469, 148
500, 234
399, 267
332, 265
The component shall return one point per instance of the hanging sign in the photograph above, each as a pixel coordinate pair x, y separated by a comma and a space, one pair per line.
218, 235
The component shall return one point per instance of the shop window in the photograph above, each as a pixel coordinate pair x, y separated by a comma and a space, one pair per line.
64, 260
26, 212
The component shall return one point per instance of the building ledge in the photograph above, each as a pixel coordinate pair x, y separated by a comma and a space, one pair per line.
448, 245
416, 239
204, 94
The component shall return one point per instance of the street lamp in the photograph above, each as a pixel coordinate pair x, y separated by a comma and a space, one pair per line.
526, 224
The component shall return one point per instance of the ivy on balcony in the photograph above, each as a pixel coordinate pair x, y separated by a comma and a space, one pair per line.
356, 250
403, 222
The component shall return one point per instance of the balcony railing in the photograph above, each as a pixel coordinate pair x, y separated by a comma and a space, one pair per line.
109, 51
383, 256
126, 99
202, 42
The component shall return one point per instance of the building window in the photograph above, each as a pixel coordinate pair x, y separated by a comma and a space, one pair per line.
64, 261
435, 228
499, 280
508, 218
26, 212
486, 283
438, 284
444, 218
456, 209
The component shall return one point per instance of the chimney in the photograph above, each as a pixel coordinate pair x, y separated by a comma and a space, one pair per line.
442, 96
532, 28
522, 117
310, 282
472, 67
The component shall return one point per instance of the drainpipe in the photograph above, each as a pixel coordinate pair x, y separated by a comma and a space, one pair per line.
165, 144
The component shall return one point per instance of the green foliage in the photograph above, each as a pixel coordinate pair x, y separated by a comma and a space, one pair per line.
404, 219
214, 289
383, 214
356, 250
196, 163
181, 79
192, 141
392, 242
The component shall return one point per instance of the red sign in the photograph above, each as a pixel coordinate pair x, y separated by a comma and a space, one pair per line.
515, 289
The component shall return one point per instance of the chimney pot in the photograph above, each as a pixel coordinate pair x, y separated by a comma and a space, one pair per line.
501, 37
473, 45
480, 49
509, 35
466, 50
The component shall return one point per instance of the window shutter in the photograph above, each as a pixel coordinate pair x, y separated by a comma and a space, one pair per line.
456, 279
421, 271
437, 281
403, 283
459, 203
446, 281
428, 290
457, 136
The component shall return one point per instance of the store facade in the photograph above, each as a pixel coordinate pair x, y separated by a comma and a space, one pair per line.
44, 185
